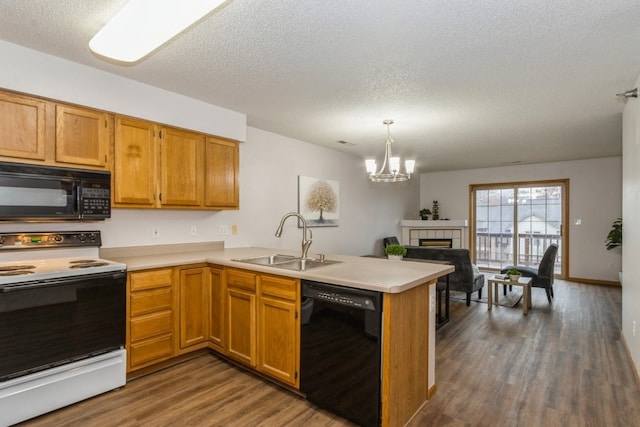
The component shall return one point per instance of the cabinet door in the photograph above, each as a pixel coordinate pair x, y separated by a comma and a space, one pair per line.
82, 136
221, 174
193, 306
279, 327
216, 296
182, 168
22, 127
134, 169
241, 326
278, 339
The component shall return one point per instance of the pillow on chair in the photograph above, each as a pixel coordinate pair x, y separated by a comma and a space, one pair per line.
393, 240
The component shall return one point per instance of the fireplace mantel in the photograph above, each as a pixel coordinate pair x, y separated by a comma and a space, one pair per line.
455, 229
441, 223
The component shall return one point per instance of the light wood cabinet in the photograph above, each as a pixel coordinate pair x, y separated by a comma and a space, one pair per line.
181, 168
279, 328
241, 316
221, 173
252, 318
36, 130
22, 127
134, 167
82, 136
158, 166
216, 296
193, 306
263, 328
150, 318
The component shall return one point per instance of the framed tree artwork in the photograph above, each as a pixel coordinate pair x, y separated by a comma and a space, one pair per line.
319, 201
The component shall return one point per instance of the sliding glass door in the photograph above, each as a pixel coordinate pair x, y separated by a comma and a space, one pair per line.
514, 223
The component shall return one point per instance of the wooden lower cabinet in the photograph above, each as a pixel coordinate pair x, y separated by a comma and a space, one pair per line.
263, 328
150, 317
216, 296
279, 328
193, 307
241, 316
249, 317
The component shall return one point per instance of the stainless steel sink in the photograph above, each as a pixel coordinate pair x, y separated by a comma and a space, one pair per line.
302, 264
287, 262
267, 259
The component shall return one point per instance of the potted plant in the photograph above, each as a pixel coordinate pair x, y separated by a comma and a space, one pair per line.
395, 252
424, 214
514, 274
614, 238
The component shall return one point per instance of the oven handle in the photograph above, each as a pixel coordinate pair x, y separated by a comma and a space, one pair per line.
69, 280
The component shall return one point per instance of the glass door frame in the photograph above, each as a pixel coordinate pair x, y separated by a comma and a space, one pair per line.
564, 230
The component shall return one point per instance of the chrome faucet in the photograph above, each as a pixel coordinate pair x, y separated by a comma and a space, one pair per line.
305, 242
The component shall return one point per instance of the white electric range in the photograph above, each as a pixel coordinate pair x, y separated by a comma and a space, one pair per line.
62, 322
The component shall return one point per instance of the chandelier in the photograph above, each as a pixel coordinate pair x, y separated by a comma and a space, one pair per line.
392, 164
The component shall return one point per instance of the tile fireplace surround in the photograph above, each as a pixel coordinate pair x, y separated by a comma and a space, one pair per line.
456, 230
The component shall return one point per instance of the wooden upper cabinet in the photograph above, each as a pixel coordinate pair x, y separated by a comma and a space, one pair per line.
82, 136
22, 127
182, 168
134, 167
221, 173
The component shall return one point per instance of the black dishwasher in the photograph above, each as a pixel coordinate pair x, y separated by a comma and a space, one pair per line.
341, 349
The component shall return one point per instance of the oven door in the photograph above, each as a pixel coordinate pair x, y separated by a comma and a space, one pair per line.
49, 323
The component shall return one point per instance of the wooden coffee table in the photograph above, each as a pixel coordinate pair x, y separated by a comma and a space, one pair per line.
525, 282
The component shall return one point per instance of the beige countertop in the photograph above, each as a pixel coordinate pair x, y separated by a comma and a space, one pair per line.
358, 272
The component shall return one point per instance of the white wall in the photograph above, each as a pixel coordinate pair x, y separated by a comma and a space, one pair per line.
595, 191
269, 168
631, 228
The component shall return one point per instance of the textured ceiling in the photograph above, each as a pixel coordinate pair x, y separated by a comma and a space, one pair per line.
469, 83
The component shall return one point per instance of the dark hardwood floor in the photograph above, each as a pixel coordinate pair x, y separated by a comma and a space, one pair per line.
562, 365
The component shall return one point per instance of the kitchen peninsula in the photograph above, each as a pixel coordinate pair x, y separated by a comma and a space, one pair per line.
216, 302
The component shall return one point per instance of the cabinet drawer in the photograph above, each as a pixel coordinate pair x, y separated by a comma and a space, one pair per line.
282, 287
149, 301
150, 279
151, 350
151, 324
241, 279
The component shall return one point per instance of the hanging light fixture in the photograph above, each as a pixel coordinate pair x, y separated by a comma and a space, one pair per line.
391, 163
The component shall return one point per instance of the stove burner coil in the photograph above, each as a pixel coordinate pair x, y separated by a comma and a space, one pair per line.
88, 264
17, 267
4, 272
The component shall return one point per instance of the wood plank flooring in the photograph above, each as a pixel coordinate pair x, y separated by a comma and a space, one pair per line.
562, 365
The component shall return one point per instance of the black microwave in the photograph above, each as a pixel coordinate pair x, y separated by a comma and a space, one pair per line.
44, 193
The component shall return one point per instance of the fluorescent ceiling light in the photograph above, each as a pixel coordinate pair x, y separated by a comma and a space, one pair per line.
141, 26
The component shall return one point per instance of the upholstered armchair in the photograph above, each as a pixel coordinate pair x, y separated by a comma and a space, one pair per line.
542, 277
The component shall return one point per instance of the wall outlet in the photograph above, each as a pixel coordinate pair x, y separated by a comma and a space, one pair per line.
223, 230
155, 233
194, 230
234, 229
